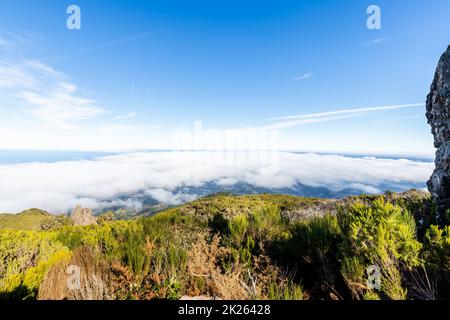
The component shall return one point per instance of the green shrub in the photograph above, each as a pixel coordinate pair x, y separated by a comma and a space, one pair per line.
437, 247
329, 255
265, 223
25, 256
256, 228
108, 237
238, 227
133, 252
219, 224
436, 254
174, 260
370, 295
310, 246
353, 271
285, 290
380, 234
169, 263
33, 276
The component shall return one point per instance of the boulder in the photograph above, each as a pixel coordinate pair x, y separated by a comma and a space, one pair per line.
438, 115
83, 216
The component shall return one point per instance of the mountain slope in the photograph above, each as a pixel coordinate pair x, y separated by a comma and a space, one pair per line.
32, 219
296, 248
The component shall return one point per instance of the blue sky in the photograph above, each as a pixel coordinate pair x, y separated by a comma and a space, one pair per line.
137, 70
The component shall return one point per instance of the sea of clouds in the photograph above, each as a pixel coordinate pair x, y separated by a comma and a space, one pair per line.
102, 182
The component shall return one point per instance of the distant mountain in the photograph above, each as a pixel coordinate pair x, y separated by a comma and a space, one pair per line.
150, 204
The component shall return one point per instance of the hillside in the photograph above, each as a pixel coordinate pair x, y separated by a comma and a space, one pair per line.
32, 219
239, 247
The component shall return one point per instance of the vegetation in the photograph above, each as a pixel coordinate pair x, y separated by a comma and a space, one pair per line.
236, 247
32, 219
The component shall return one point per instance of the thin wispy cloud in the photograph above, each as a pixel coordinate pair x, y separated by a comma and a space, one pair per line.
15, 37
294, 120
123, 128
15, 75
19, 35
109, 128
313, 120
118, 41
40, 90
353, 110
303, 76
61, 106
266, 137
129, 115
44, 68
48, 94
5, 43
377, 41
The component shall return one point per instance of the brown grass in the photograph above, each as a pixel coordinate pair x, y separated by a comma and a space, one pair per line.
95, 279
203, 267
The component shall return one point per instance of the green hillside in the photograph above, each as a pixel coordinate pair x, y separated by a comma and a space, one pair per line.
32, 219
239, 247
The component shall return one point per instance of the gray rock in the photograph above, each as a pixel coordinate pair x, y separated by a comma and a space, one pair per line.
438, 115
83, 216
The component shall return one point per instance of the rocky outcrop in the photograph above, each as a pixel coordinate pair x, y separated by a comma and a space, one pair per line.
83, 216
438, 115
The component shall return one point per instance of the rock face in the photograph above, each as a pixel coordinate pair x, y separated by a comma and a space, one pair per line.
438, 115
83, 216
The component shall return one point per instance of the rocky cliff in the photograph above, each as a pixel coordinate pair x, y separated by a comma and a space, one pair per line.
438, 115
83, 216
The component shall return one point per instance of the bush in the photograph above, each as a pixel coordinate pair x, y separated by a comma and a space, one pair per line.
436, 253
25, 256
107, 238
34, 276
285, 290
246, 243
133, 252
379, 234
255, 229
266, 223
437, 247
238, 227
310, 247
94, 278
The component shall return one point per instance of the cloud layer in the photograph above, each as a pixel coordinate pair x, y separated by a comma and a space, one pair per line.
59, 186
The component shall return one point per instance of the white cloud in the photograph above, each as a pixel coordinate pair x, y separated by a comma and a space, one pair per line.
303, 76
110, 128
347, 111
22, 36
168, 197
60, 186
48, 94
365, 188
377, 41
15, 75
290, 121
127, 116
119, 41
61, 106
5, 43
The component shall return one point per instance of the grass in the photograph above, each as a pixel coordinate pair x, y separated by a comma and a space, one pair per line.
234, 247
32, 219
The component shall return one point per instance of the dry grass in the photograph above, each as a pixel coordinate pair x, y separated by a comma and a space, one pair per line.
95, 280
203, 267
